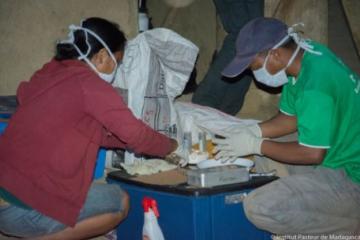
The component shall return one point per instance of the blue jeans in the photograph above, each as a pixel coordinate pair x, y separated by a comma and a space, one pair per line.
214, 90
101, 199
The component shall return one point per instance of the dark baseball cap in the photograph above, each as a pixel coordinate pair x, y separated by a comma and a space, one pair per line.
257, 35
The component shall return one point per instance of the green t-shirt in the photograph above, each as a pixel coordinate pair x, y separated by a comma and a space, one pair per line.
325, 98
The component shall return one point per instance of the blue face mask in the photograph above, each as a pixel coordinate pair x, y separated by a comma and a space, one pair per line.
108, 77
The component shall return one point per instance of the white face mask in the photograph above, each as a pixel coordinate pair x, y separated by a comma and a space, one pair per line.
108, 77
278, 79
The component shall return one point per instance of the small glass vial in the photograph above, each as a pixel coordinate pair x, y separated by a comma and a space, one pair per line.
187, 141
202, 141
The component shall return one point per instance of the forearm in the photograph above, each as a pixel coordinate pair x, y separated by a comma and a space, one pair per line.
135, 134
104, 105
111, 141
292, 153
278, 126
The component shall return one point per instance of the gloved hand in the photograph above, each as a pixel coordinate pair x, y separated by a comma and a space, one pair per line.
242, 143
178, 157
254, 128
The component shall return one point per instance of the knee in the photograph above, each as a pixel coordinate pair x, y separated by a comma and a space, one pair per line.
125, 201
253, 207
267, 209
122, 205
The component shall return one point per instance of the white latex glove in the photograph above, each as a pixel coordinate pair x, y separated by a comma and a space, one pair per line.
242, 143
254, 128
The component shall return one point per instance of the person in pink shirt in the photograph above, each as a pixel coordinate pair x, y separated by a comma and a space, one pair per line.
48, 151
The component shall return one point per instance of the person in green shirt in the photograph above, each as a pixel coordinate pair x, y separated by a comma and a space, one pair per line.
320, 101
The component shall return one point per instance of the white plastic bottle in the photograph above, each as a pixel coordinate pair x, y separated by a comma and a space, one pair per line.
143, 22
151, 228
143, 18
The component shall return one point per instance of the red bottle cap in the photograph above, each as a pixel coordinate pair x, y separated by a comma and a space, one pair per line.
150, 203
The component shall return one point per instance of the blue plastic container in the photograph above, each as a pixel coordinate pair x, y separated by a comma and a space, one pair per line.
5, 115
191, 213
100, 164
2, 127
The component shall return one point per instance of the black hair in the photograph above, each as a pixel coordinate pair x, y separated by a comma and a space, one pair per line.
109, 32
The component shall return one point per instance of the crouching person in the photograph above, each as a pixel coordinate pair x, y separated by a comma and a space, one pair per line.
48, 151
